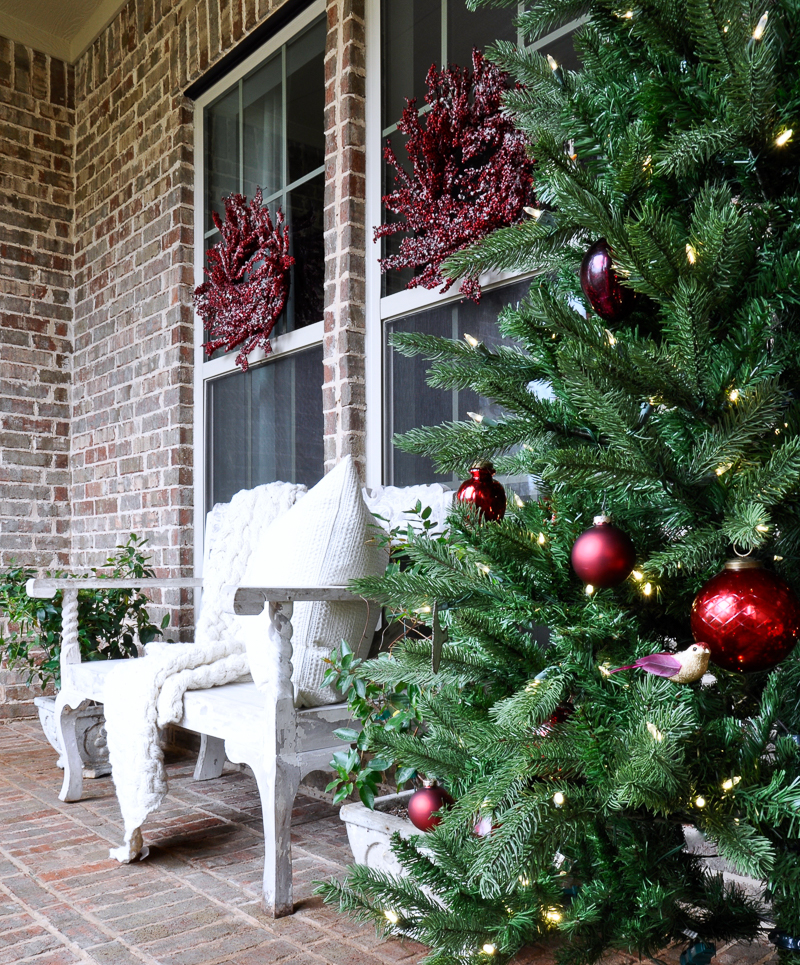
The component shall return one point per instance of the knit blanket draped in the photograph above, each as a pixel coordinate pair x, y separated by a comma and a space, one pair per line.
143, 696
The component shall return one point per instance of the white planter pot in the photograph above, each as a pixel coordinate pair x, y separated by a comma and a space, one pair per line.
90, 731
369, 832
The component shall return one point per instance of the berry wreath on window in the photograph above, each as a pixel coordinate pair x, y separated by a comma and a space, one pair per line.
247, 283
470, 172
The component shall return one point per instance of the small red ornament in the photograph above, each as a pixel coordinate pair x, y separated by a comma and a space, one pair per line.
561, 714
424, 803
603, 555
600, 285
747, 616
485, 493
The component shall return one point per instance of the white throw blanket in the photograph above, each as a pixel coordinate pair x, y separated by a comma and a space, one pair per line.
145, 695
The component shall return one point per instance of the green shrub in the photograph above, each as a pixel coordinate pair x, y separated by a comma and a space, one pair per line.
109, 621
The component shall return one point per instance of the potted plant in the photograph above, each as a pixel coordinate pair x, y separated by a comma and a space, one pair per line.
111, 625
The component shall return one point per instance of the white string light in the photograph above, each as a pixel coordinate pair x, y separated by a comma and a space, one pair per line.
393, 917
784, 138
758, 33
471, 340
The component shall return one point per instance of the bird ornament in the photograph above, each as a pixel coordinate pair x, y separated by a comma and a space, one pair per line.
681, 668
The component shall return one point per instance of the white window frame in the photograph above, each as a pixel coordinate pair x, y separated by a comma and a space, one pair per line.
282, 345
380, 310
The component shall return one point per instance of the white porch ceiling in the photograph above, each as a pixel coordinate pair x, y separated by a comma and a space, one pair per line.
61, 28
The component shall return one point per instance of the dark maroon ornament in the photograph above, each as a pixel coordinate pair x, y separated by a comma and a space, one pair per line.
747, 616
424, 803
483, 492
600, 285
561, 714
603, 555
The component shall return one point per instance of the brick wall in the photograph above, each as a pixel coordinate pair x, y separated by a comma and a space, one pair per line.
36, 203
344, 399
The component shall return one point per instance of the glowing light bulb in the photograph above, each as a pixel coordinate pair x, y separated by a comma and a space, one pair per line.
647, 589
519, 502
524, 881
691, 254
733, 395
588, 589
611, 340
758, 33
471, 340
483, 568
700, 801
655, 732
552, 61
489, 948
721, 470
558, 799
552, 914
475, 416
637, 574
762, 529
393, 917
628, 15
542, 539
784, 138
535, 213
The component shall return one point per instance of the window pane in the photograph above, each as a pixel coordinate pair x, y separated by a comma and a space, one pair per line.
411, 37
222, 153
263, 130
305, 103
410, 402
467, 29
305, 209
265, 424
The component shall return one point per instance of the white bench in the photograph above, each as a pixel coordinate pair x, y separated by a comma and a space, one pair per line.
279, 742
264, 729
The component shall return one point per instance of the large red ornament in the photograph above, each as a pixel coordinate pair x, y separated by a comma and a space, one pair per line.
603, 555
747, 616
600, 285
424, 803
483, 492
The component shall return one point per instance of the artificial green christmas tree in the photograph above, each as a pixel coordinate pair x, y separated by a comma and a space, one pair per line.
676, 414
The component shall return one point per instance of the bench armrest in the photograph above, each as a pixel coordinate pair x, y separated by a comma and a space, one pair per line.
251, 600
46, 587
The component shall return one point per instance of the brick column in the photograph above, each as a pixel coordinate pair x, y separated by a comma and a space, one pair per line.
344, 400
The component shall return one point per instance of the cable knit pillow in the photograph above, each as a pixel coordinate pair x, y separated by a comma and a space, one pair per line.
324, 539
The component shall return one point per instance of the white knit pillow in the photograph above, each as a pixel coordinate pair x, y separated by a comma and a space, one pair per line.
324, 539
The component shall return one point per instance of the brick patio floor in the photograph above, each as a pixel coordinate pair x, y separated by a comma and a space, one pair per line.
194, 901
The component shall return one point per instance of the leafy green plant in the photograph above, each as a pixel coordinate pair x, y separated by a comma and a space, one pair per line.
109, 621
378, 707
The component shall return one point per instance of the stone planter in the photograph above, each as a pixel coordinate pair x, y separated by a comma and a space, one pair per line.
369, 832
91, 734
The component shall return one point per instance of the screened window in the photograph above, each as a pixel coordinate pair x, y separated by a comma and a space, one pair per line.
264, 129
414, 35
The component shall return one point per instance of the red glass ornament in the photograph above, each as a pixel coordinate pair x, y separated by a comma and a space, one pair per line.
423, 804
600, 285
747, 616
561, 714
485, 493
603, 555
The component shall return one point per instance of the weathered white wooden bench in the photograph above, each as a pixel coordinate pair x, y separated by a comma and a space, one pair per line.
279, 742
262, 728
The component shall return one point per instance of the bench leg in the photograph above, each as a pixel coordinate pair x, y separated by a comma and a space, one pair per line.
66, 718
277, 786
211, 758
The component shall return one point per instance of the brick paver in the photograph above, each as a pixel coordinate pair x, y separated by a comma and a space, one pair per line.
195, 900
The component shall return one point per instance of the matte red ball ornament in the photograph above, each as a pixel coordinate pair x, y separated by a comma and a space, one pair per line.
423, 804
747, 616
600, 285
483, 492
603, 556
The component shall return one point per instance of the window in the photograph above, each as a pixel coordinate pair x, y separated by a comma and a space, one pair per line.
263, 127
413, 35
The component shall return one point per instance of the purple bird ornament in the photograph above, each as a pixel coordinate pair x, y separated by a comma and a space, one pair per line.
681, 668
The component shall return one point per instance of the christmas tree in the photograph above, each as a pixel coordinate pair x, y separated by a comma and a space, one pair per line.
650, 375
